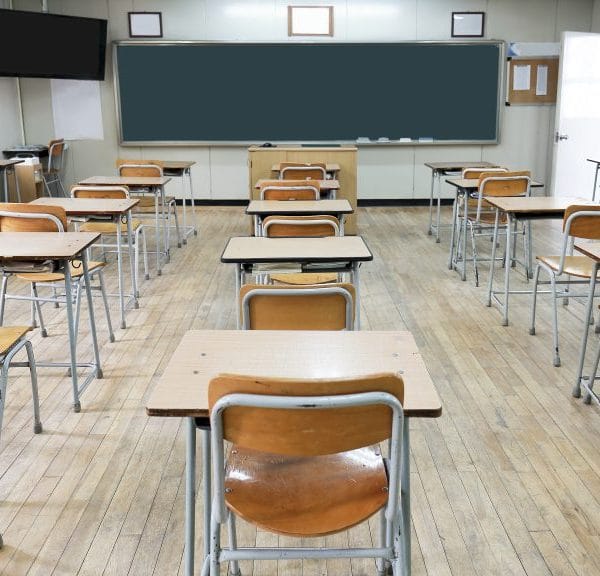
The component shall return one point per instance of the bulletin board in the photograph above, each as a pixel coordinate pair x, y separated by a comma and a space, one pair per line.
532, 81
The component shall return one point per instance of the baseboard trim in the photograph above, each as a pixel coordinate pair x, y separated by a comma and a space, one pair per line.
361, 203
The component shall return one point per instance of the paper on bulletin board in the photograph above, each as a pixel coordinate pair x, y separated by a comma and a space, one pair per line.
521, 76
77, 109
541, 84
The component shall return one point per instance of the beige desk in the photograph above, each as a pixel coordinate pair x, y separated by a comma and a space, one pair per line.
63, 247
157, 186
334, 253
262, 208
183, 169
5, 167
521, 208
439, 169
465, 186
116, 209
201, 355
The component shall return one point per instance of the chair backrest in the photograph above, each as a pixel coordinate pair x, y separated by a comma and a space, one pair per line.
56, 150
307, 431
107, 192
506, 184
302, 171
477, 172
309, 307
581, 221
139, 168
16, 217
300, 226
289, 190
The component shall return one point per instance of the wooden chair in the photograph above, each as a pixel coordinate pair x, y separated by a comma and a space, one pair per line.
579, 222
110, 228
302, 171
146, 206
310, 307
12, 340
302, 227
289, 190
38, 218
481, 221
303, 464
53, 172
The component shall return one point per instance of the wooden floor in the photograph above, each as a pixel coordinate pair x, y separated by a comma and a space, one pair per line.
506, 482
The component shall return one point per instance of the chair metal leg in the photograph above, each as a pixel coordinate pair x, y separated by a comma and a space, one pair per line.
90, 303
474, 250
37, 424
37, 306
177, 229
556, 359
234, 568
146, 273
576, 392
215, 545
3, 284
106, 309
536, 278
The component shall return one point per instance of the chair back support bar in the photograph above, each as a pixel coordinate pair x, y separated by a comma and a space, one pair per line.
477, 172
310, 426
301, 226
298, 170
105, 192
150, 170
32, 218
289, 190
506, 184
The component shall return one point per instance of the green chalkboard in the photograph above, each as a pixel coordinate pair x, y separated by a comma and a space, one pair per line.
238, 92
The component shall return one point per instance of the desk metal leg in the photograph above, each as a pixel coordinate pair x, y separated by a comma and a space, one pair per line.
206, 489
157, 234
72, 334
509, 246
356, 282
341, 218
120, 271
463, 275
586, 323
405, 496
595, 181
439, 207
132, 267
430, 224
165, 216
453, 231
238, 287
493, 261
190, 496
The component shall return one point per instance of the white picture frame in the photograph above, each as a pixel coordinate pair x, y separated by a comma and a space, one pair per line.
310, 20
145, 24
467, 24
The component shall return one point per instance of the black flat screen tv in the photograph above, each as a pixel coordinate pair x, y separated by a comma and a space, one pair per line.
42, 45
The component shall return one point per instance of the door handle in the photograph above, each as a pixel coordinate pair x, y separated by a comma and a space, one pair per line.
558, 137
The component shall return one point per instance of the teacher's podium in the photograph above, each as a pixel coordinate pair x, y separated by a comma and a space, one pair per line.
263, 163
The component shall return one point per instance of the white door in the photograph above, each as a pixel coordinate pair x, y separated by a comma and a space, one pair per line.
577, 125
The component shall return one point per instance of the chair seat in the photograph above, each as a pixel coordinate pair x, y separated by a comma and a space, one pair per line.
293, 495
579, 266
108, 227
303, 278
76, 272
10, 335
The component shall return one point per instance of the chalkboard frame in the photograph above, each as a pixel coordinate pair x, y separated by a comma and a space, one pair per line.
359, 142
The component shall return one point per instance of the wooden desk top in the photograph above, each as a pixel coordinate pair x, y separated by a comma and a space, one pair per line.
329, 167
455, 166
473, 183
298, 207
177, 164
541, 205
45, 245
252, 249
7, 163
183, 388
325, 185
88, 206
125, 181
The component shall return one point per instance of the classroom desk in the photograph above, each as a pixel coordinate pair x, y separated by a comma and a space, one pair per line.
465, 186
521, 208
329, 187
183, 169
591, 250
439, 169
201, 355
157, 186
342, 253
330, 168
116, 209
5, 167
31, 150
262, 208
597, 163
62, 247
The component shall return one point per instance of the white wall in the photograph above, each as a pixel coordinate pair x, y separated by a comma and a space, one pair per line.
221, 172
